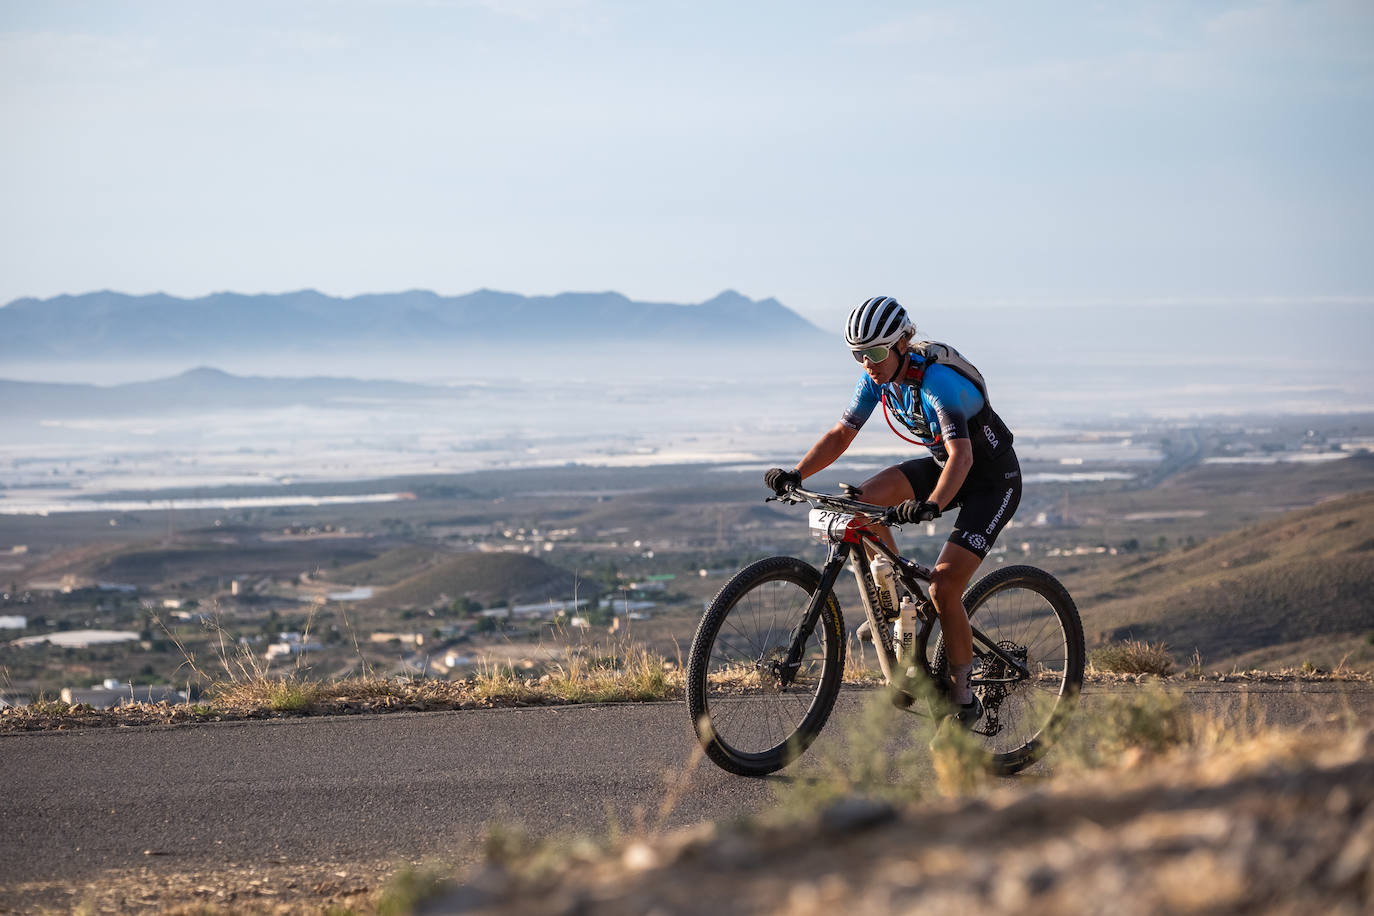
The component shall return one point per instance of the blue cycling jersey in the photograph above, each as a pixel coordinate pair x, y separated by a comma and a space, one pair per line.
947, 401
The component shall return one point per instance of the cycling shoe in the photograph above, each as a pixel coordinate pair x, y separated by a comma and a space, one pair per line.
967, 715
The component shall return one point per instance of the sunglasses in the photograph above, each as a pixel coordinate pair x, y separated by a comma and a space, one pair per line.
872, 354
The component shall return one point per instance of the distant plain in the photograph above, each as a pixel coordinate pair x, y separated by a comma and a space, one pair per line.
276, 495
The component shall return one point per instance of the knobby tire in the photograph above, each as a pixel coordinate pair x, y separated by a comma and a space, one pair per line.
746, 723
1029, 610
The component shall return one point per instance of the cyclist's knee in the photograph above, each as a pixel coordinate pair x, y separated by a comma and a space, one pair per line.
946, 585
939, 588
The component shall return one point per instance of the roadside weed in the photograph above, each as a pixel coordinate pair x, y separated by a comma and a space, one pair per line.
1133, 656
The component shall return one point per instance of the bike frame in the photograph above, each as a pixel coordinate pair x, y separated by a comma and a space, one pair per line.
858, 542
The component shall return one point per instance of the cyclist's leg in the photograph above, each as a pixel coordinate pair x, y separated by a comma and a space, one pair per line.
948, 580
988, 502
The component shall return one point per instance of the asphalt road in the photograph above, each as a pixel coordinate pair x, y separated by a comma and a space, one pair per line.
406, 786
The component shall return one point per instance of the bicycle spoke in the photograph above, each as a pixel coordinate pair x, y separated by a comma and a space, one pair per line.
750, 710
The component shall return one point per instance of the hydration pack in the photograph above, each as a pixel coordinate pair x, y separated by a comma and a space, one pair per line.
933, 351
997, 438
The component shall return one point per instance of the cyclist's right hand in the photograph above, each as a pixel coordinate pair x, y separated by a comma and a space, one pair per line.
911, 511
781, 482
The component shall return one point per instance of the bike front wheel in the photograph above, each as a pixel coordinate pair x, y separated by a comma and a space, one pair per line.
748, 721
1028, 614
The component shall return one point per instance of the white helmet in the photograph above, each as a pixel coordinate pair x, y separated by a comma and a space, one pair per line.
881, 321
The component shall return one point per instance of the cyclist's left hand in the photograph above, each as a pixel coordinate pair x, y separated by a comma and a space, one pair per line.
781, 482
913, 511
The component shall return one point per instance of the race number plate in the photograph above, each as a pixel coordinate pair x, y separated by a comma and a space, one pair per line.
829, 525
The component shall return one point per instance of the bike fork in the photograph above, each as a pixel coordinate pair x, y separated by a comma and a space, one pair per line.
829, 573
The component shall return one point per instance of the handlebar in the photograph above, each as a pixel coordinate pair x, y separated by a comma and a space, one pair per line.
831, 501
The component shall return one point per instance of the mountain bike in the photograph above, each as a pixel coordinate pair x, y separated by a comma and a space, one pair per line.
768, 657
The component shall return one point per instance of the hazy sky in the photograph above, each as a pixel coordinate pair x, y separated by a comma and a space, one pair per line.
818, 152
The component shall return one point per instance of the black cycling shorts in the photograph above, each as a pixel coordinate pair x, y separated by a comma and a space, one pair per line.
986, 501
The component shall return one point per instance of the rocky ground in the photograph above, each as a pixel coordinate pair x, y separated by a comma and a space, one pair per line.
278, 889
1282, 825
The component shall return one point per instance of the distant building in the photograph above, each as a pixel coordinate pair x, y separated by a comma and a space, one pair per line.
77, 639
291, 644
13, 622
622, 606
547, 608
409, 639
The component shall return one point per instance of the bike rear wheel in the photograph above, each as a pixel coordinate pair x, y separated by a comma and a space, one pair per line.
746, 721
1030, 615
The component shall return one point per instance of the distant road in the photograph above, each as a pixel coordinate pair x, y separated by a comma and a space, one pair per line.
399, 786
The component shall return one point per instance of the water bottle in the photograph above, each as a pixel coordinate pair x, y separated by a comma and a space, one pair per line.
905, 629
881, 567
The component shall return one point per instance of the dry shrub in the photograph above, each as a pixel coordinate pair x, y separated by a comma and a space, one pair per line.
1134, 656
275, 694
1141, 722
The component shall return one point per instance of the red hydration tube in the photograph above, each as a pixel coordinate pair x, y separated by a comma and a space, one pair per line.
900, 435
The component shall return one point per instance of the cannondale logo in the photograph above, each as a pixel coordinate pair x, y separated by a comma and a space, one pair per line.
1001, 509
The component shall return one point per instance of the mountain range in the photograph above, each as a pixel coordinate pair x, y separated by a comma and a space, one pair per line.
112, 325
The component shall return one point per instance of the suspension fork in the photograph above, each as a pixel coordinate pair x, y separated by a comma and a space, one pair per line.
802, 634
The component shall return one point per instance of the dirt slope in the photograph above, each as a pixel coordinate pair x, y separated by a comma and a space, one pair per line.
1283, 829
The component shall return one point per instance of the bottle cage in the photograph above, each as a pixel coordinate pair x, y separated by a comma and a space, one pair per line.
887, 415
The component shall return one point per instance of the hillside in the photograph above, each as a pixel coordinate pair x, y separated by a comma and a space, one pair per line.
151, 565
484, 577
389, 568
1279, 593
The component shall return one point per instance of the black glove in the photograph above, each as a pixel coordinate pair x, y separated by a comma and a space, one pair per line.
913, 511
780, 481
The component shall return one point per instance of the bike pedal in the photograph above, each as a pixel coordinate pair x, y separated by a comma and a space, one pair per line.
902, 700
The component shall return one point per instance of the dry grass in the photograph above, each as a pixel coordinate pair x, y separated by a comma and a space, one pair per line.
1133, 656
623, 674
609, 674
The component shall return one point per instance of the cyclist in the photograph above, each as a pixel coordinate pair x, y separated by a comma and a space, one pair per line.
972, 465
